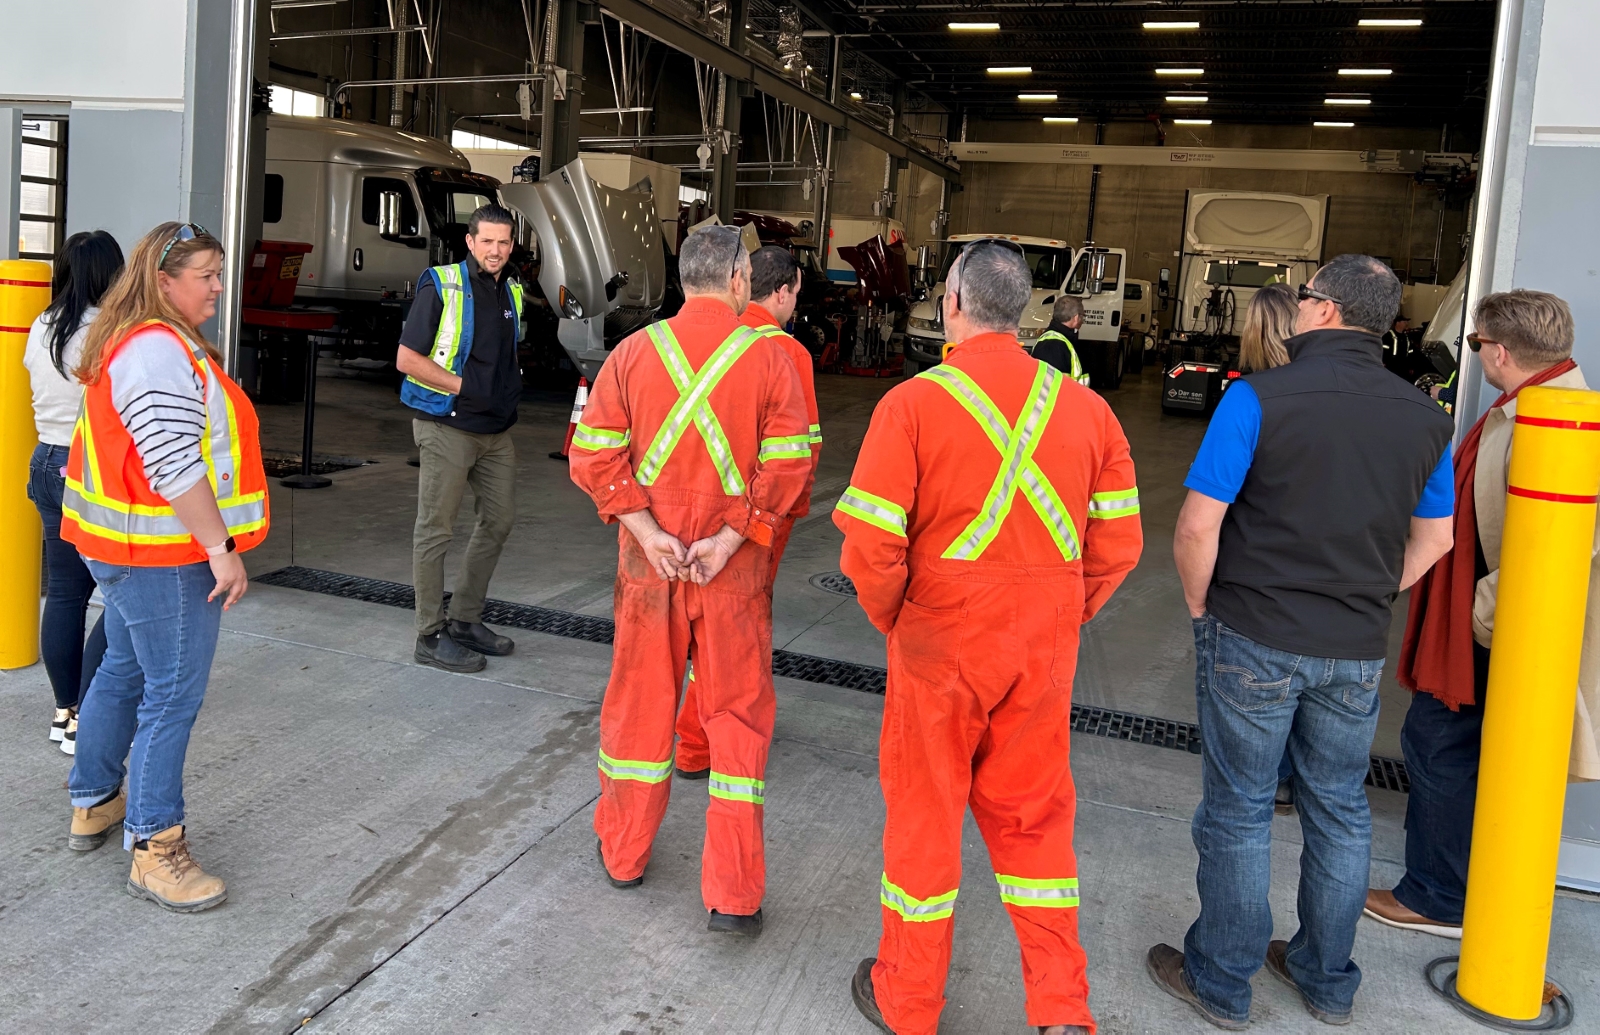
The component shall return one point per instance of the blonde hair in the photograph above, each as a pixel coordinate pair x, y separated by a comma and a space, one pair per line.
1267, 323
1535, 326
136, 296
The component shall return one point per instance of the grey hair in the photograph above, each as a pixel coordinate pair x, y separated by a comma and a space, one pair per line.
709, 256
992, 284
1368, 291
1067, 307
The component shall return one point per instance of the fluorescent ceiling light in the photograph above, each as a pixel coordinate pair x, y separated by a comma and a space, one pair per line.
1010, 69
1172, 25
854, 96
1036, 96
1348, 101
975, 26
1334, 125
1389, 23
1180, 71
1192, 122
1060, 119
1366, 71
1187, 98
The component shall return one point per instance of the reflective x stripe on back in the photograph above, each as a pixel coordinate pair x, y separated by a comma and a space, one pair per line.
1017, 466
694, 403
1047, 892
916, 910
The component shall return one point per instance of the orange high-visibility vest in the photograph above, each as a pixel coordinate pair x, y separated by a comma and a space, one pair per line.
109, 510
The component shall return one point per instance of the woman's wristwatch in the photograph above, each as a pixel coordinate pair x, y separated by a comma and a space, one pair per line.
226, 546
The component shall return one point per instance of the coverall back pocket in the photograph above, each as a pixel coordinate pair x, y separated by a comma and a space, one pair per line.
925, 644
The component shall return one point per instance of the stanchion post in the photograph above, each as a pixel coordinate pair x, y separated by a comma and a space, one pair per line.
1543, 590
24, 293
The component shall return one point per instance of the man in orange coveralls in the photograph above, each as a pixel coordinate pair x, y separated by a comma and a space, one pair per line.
992, 512
774, 290
688, 441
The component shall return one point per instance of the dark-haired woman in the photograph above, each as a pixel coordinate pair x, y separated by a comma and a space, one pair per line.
87, 265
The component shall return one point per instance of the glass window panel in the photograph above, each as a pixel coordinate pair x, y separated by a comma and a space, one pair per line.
38, 160
282, 100
39, 238
38, 199
462, 205
306, 103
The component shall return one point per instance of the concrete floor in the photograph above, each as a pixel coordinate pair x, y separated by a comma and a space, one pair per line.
408, 850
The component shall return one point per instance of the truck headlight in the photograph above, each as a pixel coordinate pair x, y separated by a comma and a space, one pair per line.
571, 308
1029, 333
917, 323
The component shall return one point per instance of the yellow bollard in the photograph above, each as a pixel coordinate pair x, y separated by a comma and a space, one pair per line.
1533, 680
24, 292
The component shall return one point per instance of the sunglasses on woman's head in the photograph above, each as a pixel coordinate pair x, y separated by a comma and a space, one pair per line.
186, 232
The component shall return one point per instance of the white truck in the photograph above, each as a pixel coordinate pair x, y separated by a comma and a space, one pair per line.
1098, 276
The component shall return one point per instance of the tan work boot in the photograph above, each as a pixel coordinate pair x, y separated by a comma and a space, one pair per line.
165, 873
91, 826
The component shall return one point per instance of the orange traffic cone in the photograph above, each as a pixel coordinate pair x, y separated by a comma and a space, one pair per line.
578, 403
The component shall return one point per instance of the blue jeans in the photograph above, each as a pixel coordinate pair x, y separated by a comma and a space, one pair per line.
1255, 701
161, 634
68, 661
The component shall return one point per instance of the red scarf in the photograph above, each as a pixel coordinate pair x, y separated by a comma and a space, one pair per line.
1436, 654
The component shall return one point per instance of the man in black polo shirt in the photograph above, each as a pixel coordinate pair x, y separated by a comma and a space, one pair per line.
1322, 489
459, 354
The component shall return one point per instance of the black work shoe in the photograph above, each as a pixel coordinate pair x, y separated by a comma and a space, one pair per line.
479, 637
1278, 963
733, 923
441, 651
600, 850
1165, 966
1283, 800
694, 774
1063, 1029
866, 999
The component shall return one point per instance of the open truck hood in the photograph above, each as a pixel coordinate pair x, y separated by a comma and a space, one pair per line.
600, 249
881, 269
1249, 223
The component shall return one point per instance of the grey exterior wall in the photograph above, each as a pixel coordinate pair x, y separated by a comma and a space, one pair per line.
1558, 244
124, 171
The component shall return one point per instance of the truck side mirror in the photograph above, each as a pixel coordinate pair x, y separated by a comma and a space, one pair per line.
389, 214
1164, 286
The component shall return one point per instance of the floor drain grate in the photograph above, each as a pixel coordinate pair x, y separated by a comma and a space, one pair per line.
1385, 773
834, 582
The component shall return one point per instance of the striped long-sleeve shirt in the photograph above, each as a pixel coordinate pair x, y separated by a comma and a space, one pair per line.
161, 401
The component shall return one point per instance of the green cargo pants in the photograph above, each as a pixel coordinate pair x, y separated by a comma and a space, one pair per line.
451, 461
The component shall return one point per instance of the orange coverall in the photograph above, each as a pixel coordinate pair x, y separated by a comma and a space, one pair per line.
694, 753
991, 512
668, 403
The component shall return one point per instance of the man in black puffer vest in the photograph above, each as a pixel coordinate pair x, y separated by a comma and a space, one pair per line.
1323, 488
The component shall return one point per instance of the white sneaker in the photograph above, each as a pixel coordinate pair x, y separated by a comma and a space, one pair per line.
69, 738
58, 724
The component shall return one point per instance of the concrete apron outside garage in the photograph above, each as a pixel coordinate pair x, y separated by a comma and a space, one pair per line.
407, 849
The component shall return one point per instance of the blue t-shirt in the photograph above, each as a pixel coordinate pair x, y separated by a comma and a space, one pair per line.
1219, 469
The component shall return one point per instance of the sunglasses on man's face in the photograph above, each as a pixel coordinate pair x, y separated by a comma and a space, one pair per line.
1305, 293
1476, 341
186, 232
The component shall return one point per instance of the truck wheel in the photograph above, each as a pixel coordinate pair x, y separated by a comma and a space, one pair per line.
912, 368
1114, 359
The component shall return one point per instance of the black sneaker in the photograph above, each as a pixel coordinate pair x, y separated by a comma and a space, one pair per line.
58, 724
600, 851
693, 774
69, 737
476, 636
440, 651
733, 923
866, 1000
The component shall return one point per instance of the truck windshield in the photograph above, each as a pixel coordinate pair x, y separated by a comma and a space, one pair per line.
1246, 274
1049, 264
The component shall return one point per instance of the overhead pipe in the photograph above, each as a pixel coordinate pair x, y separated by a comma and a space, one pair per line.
363, 84
317, 34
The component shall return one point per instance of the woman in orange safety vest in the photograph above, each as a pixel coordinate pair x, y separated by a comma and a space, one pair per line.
164, 490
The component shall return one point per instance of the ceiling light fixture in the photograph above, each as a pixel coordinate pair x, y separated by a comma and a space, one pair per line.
1192, 122
1187, 98
974, 26
1366, 71
1060, 119
1348, 101
1036, 96
1180, 71
854, 96
1174, 26
1334, 125
1011, 70
1389, 23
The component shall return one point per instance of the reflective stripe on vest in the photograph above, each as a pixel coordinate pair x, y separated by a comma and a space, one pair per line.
1016, 446
917, 910
1118, 503
455, 319
1047, 892
772, 330
1077, 373
874, 510
134, 524
694, 403
737, 788
632, 769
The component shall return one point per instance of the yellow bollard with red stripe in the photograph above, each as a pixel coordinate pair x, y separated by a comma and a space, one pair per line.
24, 292
1545, 559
